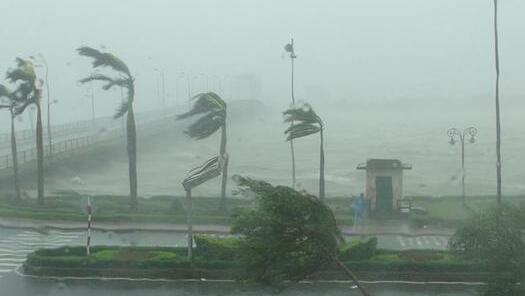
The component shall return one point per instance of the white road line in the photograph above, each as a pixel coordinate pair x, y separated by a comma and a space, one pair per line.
9, 264
5, 270
425, 239
15, 251
410, 241
401, 241
418, 241
12, 260
29, 235
11, 254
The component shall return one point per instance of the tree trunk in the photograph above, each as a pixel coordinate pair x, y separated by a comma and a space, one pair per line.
225, 157
321, 168
132, 156
498, 121
15, 157
39, 154
349, 273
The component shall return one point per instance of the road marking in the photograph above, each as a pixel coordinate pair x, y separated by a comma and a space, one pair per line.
9, 264
425, 239
16, 251
437, 241
13, 259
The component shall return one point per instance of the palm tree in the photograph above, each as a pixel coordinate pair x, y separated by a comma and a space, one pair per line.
29, 92
213, 111
498, 121
307, 122
11, 105
125, 81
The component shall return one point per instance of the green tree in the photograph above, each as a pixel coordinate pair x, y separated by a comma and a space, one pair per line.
10, 104
306, 122
124, 80
288, 235
212, 111
29, 92
495, 238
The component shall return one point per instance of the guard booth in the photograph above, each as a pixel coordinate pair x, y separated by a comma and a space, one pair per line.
384, 184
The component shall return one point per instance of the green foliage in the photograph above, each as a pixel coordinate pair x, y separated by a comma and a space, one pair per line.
104, 59
124, 80
287, 236
305, 122
216, 248
213, 111
495, 238
358, 249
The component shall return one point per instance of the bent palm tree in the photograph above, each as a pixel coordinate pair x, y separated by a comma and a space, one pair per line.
306, 122
125, 81
213, 111
10, 105
29, 92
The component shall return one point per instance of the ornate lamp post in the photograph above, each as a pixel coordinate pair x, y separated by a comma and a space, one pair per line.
455, 135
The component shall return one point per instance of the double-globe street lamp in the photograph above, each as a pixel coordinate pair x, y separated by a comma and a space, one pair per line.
455, 135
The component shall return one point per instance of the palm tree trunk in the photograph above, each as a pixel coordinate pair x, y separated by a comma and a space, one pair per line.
132, 157
39, 155
225, 157
14, 156
349, 273
321, 168
498, 121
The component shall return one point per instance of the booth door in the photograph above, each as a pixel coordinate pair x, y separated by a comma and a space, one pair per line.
384, 195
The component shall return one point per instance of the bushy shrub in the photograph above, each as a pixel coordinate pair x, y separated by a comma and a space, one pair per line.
216, 248
358, 249
287, 236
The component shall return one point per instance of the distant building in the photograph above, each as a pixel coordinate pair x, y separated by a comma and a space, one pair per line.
384, 183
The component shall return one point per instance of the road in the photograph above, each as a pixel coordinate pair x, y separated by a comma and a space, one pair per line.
15, 244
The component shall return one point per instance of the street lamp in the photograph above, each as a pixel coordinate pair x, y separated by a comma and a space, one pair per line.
163, 85
455, 135
40, 57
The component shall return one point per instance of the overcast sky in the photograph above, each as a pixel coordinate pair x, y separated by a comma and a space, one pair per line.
402, 51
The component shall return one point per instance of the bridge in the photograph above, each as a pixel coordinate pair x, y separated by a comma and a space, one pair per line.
76, 138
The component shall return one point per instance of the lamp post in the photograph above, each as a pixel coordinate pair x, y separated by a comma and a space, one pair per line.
290, 49
42, 59
163, 86
455, 135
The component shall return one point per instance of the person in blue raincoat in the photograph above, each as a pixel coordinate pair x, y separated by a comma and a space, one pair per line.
360, 209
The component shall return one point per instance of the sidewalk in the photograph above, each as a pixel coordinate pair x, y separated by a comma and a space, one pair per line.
373, 227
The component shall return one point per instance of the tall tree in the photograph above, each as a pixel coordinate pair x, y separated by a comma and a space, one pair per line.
10, 104
212, 111
29, 92
125, 81
290, 48
498, 121
307, 123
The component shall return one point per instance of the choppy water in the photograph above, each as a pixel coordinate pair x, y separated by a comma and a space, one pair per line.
257, 148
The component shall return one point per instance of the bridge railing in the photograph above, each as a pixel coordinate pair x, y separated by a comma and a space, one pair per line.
62, 148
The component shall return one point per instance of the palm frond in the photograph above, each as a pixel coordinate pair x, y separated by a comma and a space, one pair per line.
304, 114
23, 73
96, 77
4, 91
206, 125
117, 82
301, 130
20, 108
104, 59
205, 102
122, 109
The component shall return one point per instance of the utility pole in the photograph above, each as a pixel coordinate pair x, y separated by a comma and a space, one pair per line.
290, 48
498, 119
